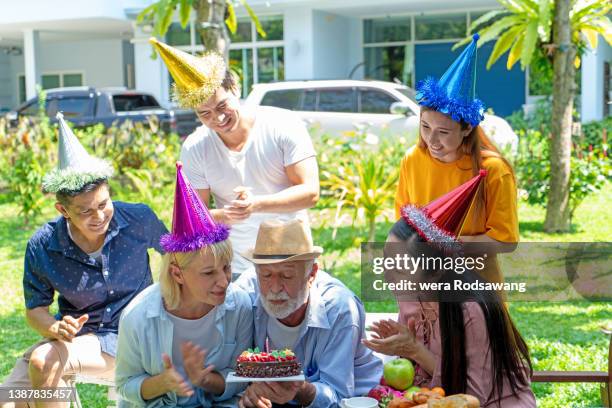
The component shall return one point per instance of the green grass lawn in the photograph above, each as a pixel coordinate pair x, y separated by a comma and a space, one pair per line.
562, 336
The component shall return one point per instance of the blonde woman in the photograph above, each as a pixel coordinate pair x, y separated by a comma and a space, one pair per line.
179, 338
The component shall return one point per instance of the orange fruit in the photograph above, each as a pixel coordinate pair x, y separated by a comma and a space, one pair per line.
425, 389
439, 391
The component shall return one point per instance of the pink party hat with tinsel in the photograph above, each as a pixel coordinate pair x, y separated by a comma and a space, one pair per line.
441, 221
192, 225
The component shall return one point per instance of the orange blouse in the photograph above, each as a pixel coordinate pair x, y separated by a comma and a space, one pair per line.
423, 179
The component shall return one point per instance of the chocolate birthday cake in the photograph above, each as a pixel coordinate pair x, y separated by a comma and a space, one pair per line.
276, 363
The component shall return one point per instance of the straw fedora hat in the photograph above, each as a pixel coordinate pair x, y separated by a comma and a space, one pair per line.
279, 241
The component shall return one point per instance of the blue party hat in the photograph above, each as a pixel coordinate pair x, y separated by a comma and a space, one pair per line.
455, 93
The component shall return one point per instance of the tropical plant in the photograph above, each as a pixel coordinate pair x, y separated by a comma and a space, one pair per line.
590, 165
27, 153
561, 29
524, 25
213, 18
142, 154
355, 175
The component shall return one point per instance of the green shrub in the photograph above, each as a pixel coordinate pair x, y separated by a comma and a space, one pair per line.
143, 156
590, 168
589, 165
593, 134
26, 152
359, 171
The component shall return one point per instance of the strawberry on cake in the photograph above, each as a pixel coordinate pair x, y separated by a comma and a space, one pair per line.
260, 364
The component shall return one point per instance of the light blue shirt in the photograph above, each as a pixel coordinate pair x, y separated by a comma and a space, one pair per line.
146, 331
329, 345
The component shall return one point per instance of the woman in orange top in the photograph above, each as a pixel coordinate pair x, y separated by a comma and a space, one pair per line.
451, 149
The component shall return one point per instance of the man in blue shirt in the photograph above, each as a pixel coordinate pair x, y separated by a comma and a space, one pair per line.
299, 307
95, 256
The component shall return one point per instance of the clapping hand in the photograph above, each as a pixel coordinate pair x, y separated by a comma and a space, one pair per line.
173, 380
194, 358
393, 339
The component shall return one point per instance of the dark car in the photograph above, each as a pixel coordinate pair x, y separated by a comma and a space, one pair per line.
86, 106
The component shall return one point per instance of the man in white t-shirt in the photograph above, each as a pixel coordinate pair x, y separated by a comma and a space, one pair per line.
257, 163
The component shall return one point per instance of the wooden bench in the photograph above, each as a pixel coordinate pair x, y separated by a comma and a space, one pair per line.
602, 377
81, 379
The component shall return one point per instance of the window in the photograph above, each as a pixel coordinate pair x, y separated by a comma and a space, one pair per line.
103, 107
309, 104
440, 26
75, 106
387, 29
390, 63
72, 80
177, 35
389, 43
51, 108
337, 100
241, 62
409, 92
243, 32
22, 88
373, 101
273, 26
30, 109
126, 103
50, 81
270, 64
287, 99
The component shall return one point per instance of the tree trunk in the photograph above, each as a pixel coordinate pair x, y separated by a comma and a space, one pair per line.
557, 209
210, 17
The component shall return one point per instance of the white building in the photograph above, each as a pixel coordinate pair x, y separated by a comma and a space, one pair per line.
97, 43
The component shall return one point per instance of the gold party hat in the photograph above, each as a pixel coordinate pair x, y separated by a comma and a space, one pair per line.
196, 78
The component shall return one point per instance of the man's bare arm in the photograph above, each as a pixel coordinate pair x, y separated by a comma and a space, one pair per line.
41, 320
304, 192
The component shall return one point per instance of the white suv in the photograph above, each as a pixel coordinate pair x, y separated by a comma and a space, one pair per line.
343, 105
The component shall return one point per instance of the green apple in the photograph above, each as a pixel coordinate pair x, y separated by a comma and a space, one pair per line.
399, 373
408, 393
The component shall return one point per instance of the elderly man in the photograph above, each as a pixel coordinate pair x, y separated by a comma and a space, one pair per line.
299, 307
95, 257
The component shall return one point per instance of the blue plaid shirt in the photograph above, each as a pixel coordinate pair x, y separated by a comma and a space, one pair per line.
54, 263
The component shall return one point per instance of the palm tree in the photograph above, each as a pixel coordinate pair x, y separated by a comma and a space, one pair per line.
213, 18
522, 26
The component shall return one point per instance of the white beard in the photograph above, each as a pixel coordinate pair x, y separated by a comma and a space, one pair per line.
283, 311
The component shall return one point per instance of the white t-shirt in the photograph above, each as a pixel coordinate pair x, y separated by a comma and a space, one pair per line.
278, 139
281, 336
96, 255
198, 331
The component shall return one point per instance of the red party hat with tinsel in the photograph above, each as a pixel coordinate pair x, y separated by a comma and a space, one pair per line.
192, 225
441, 221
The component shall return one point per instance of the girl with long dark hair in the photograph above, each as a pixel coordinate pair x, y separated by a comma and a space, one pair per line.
465, 345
